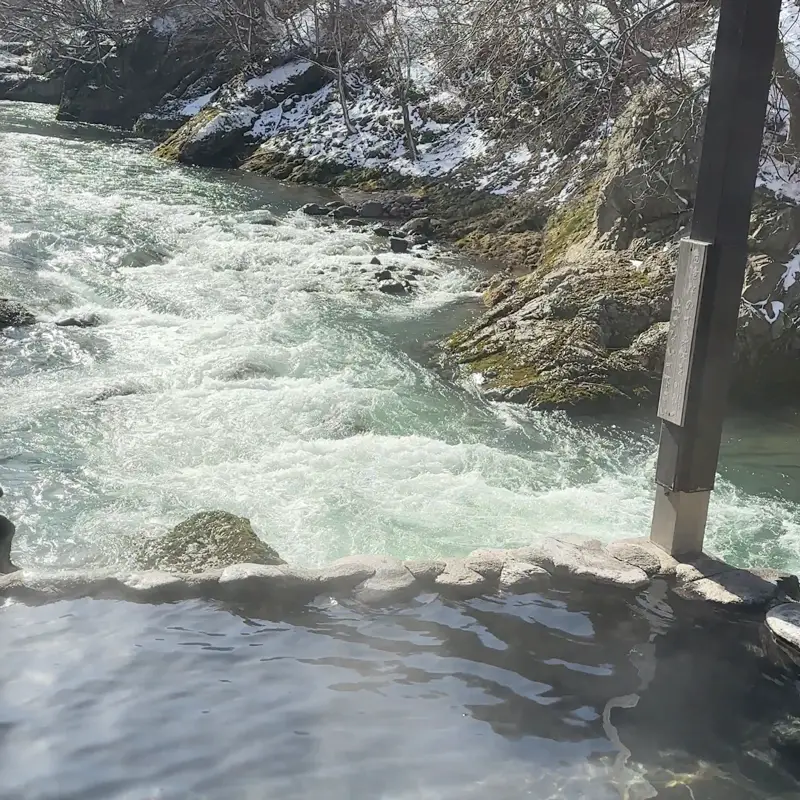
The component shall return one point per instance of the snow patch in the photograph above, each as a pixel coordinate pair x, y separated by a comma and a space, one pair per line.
782, 178
792, 271
772, 314
196, 106
279, 76
790, 33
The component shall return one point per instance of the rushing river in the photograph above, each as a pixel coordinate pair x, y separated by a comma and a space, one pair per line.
237, 366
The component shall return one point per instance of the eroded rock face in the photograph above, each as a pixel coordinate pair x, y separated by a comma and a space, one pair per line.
651, 167
133, 77
218, 135
586, 329
208, 540
572, 338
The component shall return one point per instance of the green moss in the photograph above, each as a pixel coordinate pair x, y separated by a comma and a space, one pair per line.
457, 340
569, 225
569, 395
172, 148
502, 370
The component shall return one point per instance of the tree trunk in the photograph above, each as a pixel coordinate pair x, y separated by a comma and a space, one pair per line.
342, 87
412, 145
789, 84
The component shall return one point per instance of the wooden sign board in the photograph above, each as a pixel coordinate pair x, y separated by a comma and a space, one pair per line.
679, 355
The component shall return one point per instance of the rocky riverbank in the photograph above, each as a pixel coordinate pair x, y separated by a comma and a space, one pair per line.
584, 234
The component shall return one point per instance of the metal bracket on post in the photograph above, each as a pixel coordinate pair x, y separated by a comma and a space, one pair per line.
679, 355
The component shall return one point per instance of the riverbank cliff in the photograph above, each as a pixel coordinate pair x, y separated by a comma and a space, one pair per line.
562, 147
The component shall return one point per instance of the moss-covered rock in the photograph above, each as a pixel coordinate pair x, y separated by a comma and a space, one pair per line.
174, 147
571, 338
569, 225
208, 540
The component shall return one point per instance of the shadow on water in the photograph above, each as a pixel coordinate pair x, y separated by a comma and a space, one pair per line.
662, 697
573, 693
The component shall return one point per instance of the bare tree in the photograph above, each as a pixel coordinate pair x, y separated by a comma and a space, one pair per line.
330, 34
250, 27
396, 43
76, 30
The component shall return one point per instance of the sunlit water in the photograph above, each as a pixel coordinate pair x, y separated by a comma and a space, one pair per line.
238, 366
562, 696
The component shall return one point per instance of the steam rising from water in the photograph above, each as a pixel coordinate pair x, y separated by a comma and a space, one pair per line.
240, 366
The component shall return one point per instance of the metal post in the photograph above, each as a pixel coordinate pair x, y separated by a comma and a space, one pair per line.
710, 275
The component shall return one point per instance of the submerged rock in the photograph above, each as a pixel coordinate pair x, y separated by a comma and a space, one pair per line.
209, 540
7, 531
393, 287
86, 321
343, 212
13, 314
785, 741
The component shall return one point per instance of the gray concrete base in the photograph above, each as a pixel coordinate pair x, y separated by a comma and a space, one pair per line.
679, 521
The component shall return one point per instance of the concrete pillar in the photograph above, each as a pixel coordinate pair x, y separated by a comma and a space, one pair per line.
710, 275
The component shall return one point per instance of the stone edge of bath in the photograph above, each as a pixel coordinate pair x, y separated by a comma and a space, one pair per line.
378, 580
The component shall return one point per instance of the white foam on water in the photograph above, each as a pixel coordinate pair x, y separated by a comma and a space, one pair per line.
241, 364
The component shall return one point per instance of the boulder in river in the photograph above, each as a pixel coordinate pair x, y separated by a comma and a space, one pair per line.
371, 209
26, 88
314, 210
208, 540
13, 314
79, 321
420, 226
394, 287
398, 245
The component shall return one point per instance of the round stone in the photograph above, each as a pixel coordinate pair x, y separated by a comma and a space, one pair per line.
784, 623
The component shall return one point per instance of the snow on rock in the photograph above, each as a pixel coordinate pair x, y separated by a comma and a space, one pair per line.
792, 272
279, 76
782, 178
313, 127
790, 33
197, 105
237, 118
774, 311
